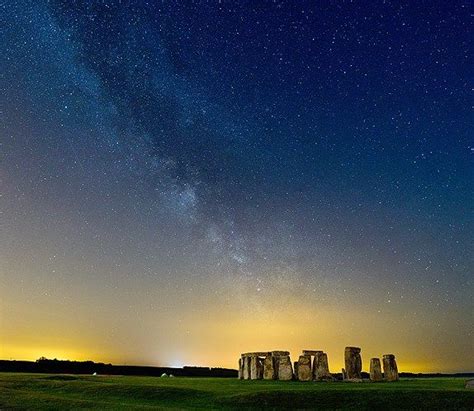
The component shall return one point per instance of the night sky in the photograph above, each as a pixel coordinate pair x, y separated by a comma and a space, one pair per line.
182, 182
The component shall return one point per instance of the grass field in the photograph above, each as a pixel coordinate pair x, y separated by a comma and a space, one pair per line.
63, 392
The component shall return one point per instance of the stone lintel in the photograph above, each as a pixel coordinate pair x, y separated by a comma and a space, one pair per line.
256, 354
311, 352
279, 353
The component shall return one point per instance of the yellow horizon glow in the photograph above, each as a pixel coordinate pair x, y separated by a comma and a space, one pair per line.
194, 329
218, 343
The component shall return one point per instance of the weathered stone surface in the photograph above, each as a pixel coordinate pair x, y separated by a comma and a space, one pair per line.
304, 368
470, 384
390, 369
276, 364
256, 353
321, 367
279, 353
344, 374
375, 370
295, 369
285, 370
311, 352
256, 368
353, 362
269, 370
240, 375
246, 368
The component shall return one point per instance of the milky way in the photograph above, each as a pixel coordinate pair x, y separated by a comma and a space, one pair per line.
184, 182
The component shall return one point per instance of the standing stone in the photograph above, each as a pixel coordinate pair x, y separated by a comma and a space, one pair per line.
276, 364
344, 375
321, 367
246, 368
285, 370
295, 369
375, 370
304, 368
269, 370
240, 375
390, 369
353, 363
256, 368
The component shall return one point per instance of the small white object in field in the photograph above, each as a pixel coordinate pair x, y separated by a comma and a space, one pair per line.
94, 373
171, 375
164, 375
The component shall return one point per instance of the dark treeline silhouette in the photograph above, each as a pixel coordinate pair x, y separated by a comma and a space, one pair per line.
44, 365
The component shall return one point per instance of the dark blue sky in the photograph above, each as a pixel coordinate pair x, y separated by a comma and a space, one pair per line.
235, 153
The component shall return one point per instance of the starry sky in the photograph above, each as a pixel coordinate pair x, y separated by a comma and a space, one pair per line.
185, 181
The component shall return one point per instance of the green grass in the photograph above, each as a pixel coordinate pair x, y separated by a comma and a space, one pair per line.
63, 392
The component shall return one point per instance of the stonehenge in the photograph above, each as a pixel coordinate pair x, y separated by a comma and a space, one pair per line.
390, 369
375, 370
267, 365
277, 365
312, 365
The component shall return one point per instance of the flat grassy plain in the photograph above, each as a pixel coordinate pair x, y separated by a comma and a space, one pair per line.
66, 392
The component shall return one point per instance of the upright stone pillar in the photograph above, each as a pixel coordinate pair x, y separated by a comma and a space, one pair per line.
240, 375
269, 370
256, 369
321, 367
353, 363
285, 370
304, 368
246, 368
375, 370
390, 369
276, 361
